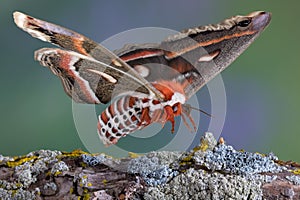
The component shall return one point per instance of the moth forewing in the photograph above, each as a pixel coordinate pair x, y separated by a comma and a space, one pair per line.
76, 42
220, 43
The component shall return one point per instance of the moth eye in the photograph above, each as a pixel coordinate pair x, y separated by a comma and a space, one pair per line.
244, 23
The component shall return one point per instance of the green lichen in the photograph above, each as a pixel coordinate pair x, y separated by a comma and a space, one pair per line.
73, 154
89, 184
17, 161
133, 155
86, 195
104, 181
296, 171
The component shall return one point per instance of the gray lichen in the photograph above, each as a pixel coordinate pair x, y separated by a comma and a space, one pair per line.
216, 171
26, 170
16, 195
154, 167
225, 158
209, 140
211, 170
93, 160
101, 194
26, 178
294, 179
59, 167
200, 184
50, 186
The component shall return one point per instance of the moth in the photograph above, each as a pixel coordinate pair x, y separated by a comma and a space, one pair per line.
153, 81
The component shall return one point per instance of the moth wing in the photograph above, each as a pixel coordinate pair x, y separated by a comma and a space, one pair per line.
80, 44
86, 79
152, 63
195, 56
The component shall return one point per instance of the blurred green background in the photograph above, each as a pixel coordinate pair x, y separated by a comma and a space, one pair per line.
262, 85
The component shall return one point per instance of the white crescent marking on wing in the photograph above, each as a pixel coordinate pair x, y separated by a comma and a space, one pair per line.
208, 57
104, 75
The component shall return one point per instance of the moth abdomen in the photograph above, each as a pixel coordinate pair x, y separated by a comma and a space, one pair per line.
122, 117
130, 113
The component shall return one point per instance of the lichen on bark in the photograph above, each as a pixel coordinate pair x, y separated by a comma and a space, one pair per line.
212, 170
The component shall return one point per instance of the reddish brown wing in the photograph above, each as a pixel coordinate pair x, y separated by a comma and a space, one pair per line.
195, 56
83, 51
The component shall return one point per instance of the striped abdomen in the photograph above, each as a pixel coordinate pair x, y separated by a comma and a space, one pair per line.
120, 118
130, 113
125, 116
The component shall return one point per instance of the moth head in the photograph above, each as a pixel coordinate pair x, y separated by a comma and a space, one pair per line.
255, 21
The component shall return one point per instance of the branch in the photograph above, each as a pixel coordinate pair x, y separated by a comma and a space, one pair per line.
210, 171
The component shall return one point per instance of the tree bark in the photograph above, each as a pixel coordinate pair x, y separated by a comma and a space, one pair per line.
212, 170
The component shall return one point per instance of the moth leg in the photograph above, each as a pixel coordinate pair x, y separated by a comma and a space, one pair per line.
145, 117
170, 116
186, 123
193, 122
